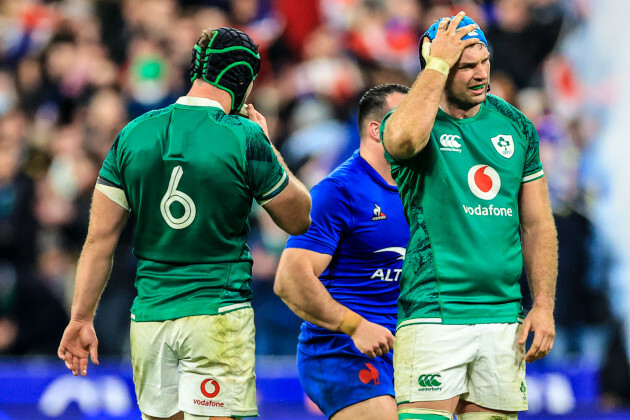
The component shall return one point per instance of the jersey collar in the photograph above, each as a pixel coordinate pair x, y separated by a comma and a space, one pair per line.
445, 115
372, 172
196, 101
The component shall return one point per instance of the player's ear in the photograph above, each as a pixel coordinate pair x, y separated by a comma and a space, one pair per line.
374, 130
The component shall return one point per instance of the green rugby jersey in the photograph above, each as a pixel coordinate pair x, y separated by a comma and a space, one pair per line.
190, 173
460, 196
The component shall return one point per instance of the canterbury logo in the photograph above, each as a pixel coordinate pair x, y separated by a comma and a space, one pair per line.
430, 380
450, 140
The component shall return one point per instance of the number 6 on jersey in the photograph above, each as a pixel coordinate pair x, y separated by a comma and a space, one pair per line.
172, 195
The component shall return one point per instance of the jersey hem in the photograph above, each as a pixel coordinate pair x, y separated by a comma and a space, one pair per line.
461, 321
235, 307
201, 311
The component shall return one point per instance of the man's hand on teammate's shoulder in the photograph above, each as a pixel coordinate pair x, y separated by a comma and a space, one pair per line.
372, 339
540, 320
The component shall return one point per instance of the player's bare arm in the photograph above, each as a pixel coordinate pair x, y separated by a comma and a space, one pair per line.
298, 285
540, 256
290, 210
409, 127
107, 219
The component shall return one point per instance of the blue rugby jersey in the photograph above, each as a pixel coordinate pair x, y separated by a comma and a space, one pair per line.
358, 219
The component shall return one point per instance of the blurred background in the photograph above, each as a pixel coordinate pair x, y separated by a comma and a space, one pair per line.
74, 72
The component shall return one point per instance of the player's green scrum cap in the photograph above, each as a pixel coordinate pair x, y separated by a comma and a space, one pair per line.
432, 31
228, 59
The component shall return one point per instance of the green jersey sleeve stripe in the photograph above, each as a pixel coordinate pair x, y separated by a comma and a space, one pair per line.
275, 190
533, 176
115, 194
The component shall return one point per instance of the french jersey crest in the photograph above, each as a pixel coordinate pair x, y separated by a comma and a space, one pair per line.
377, 213
503, 144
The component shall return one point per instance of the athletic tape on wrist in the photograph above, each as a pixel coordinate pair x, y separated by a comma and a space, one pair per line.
437, 64
350, 322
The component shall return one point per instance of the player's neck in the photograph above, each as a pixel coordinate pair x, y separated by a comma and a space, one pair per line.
458, 112
201, 89
378, 162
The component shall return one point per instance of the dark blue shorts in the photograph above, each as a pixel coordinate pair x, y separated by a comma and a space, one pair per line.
334, 374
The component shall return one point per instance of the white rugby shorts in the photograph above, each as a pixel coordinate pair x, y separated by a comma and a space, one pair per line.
201, 365
482, 363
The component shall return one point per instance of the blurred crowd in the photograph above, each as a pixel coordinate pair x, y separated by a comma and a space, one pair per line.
74, 72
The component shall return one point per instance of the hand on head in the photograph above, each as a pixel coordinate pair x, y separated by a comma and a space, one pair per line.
448, 44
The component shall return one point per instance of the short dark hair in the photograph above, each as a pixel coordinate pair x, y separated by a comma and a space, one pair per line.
372, 103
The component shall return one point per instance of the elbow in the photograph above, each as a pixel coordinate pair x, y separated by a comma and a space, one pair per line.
279, 287
302, 221
301, 227
405, 150
403, 146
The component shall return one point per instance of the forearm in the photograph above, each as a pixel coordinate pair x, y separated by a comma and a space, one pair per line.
93, 270
307, 297
540, 256
409, 127
326, 313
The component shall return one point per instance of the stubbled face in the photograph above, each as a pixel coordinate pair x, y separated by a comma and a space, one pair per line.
467, 83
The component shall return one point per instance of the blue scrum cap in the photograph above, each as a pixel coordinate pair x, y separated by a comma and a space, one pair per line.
432, 31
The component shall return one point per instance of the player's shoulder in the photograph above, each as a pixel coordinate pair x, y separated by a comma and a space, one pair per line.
342, 182
510, 112
331, 184
141, 121
244, 126
337, 184
506, 109
347, 175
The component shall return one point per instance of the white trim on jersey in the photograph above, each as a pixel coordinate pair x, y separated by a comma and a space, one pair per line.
533, 176
262, 202
196, 101
235, 306
419, 321
115, 194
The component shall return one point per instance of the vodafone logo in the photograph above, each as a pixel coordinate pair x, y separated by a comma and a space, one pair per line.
214, 389
484, 181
